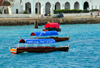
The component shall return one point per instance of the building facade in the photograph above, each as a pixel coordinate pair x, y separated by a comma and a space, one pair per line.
47, 6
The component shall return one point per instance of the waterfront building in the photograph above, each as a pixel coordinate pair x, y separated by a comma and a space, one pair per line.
46, 6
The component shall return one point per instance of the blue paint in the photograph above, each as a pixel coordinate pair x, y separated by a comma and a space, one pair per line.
84, 51
39, 41
46, 33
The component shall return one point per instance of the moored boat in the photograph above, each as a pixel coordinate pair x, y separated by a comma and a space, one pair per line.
38, 49
52, 27
51, 34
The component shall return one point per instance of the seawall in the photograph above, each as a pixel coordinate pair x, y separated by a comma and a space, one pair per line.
42, 21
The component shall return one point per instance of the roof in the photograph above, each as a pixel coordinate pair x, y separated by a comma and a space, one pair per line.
1, 2
51, 25
44, 33
37, 41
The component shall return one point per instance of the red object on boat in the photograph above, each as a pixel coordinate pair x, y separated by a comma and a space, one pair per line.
32, 34
52, 25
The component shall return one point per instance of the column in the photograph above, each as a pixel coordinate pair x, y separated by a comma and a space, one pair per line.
9, 10
62, 6
90, 5
52, 9
72, 5
3, 10
23, 6
42, 10
33, 7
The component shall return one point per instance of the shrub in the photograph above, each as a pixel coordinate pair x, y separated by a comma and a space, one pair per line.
67, 11
7, 3
25, 12
85, 11
94, 10
0, 12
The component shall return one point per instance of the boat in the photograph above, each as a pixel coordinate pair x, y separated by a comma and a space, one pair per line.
38, 49
43, 49
51, 34
52, 27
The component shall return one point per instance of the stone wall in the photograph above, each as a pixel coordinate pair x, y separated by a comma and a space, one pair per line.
42, 21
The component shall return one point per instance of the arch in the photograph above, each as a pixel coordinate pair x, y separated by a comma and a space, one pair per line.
76, 5
28, 7
38, 7
86, 5
57, 6
47, 7
67, 5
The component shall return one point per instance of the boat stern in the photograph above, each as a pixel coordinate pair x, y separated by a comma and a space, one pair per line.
13, 50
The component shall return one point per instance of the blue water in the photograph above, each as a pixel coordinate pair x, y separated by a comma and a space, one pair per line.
84, 51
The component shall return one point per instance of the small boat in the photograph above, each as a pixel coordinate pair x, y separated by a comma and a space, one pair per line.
58, 39
52, 27
50, 33
38, 49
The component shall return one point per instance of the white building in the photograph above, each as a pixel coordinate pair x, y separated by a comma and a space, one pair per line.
47, 6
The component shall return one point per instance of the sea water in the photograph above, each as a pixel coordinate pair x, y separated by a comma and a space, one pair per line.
84, 51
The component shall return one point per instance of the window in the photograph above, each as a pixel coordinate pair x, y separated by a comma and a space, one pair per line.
16, 11
20, 1
4, 11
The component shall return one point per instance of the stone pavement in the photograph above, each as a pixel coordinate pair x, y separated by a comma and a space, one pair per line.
86, 16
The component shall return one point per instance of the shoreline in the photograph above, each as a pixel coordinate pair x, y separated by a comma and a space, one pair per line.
66, 20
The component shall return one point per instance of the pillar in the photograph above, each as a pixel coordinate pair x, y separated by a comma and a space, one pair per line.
9, 10
42, 10
72, 5
23, 7
62, 6
52, 9
35, 24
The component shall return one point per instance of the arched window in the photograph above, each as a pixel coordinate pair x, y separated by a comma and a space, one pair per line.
38, 8
28, 7
76, 5
47, 7
86, 5
57, 6
67, 5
